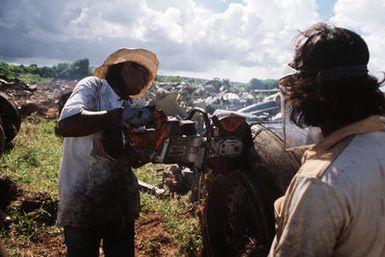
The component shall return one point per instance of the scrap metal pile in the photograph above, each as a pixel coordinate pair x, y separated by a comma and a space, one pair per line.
176, 99
40, 98
217, 97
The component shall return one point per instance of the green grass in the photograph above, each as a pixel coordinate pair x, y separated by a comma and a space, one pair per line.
34, 160
33, 164
181, 225
31, 78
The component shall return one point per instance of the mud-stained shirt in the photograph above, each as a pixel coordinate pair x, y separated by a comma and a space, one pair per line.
93, 188
335, 204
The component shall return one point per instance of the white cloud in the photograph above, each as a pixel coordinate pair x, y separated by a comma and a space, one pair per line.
368, 19
250, 38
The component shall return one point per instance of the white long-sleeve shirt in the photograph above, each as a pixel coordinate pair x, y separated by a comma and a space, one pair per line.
93, 188
335, 204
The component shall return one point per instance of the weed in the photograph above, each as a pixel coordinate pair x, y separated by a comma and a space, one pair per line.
151, 246
29, 158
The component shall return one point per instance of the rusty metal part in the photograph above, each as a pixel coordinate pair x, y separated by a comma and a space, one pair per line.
180, 180
175, 181
235, 214
269, 156
154, 190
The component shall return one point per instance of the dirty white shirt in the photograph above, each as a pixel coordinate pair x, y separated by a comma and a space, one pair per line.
93, 188
339, 211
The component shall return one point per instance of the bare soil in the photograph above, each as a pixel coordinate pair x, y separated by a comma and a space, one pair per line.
152, 239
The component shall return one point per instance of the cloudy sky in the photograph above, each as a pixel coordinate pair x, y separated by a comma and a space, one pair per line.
238, 40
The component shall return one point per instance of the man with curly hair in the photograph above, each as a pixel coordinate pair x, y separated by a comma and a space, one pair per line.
335, 204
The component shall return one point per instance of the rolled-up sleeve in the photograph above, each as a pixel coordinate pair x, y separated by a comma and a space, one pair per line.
313, 220
83, 97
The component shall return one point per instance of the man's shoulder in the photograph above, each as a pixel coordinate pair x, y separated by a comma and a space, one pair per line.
90, 81
359, 160
364, 153
89, 84
318, 164
370, 141
364, 150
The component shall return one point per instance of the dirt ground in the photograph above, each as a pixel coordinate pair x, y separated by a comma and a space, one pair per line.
148, 226
152, 238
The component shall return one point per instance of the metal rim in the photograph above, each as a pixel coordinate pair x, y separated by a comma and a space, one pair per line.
235, 217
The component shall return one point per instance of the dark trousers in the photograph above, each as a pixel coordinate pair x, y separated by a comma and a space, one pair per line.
118, 241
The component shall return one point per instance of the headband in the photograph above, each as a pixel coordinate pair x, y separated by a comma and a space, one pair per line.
343, 72
334, 73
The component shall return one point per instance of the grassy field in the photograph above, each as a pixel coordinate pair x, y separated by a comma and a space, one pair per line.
33, 164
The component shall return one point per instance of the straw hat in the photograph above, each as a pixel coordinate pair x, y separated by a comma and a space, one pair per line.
140, 56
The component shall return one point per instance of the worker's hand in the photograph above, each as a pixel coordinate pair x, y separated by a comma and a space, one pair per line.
136, 116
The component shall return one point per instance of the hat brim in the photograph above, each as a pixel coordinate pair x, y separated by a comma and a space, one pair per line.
140, 56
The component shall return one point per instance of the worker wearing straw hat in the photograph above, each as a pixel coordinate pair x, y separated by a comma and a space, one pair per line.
98, 194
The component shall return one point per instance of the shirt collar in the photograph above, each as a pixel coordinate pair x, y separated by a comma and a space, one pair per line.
371, 124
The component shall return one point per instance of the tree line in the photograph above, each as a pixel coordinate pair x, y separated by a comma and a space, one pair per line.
70, 71
81, 68
263, 84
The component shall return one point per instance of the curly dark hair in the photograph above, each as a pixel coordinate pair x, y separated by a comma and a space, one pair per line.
319, 99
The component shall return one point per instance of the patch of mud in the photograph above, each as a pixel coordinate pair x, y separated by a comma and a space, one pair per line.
50, 245
152, 238
40, 207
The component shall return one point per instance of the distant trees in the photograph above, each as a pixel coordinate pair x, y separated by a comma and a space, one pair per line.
4, 70
178, 79
76, 70
71, 71
262, 84
81, 68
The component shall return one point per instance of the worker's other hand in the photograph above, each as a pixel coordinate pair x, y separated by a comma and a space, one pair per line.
136, 116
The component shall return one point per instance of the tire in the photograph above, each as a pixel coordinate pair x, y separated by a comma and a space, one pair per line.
236, 219
238, 208
2, 140
10, 116
269, 157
